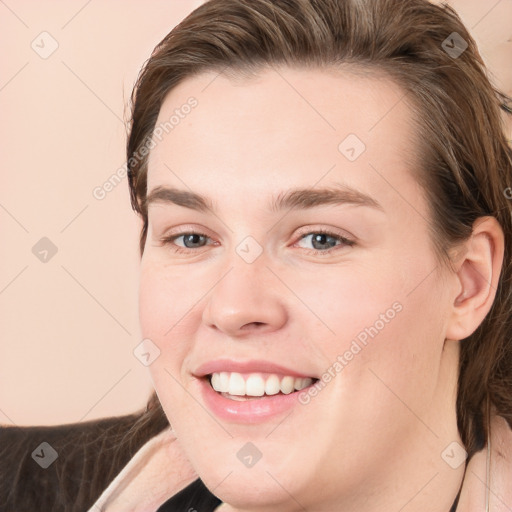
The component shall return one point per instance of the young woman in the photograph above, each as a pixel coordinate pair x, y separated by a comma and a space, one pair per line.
326, 274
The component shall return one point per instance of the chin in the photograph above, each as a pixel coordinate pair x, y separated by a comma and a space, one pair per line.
250, 488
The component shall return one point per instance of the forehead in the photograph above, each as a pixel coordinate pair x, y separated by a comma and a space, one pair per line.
283, 126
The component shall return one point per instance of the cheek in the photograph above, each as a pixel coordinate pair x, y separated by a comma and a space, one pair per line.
166, 307
352, 300
388, 319
398, 361
163, 306
165, 297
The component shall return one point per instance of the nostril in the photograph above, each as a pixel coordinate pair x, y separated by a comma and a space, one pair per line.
252, 325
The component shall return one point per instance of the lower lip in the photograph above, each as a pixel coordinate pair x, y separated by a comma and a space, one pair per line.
248, 411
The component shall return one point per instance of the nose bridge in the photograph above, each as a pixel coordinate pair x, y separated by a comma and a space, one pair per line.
247, 281
246, 262
247, 292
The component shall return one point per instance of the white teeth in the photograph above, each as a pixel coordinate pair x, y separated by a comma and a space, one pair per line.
236, 384
303, 383
272, 386
254, 386
224, 381
287, 385
257, 384
216, 381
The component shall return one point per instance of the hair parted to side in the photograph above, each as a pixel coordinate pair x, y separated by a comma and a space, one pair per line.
464, 162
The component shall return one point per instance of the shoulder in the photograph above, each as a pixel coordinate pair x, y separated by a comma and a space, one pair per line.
60, 467
158, 470
490, 470
500, 464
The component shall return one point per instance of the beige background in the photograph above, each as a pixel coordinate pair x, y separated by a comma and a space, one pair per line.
69, 325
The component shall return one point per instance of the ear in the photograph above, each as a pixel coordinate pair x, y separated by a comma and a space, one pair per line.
477, 278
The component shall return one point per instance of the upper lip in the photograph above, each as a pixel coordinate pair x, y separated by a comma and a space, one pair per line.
250, 366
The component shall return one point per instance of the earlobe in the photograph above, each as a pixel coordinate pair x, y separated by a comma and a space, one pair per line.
477, 278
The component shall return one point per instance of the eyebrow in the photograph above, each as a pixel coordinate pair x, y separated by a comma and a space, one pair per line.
293, 199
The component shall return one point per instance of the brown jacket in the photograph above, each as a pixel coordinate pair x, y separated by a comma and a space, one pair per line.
89, 456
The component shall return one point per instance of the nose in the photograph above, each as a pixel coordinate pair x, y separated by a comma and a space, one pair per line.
248, 299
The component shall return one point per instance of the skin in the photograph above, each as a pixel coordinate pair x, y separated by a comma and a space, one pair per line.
373, 437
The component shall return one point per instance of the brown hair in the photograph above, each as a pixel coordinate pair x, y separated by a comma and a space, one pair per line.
465, 162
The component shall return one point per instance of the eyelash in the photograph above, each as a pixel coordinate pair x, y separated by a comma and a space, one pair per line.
169, 241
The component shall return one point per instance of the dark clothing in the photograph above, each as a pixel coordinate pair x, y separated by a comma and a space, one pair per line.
194, 497
197, 498
88, 457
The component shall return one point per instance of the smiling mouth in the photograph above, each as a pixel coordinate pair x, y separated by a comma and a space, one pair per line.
253, 386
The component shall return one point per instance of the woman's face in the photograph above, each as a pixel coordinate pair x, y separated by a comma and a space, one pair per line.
265, 294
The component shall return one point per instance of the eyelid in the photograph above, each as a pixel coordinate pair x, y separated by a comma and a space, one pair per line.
186, 229
327, 230
189, 229
345, 240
